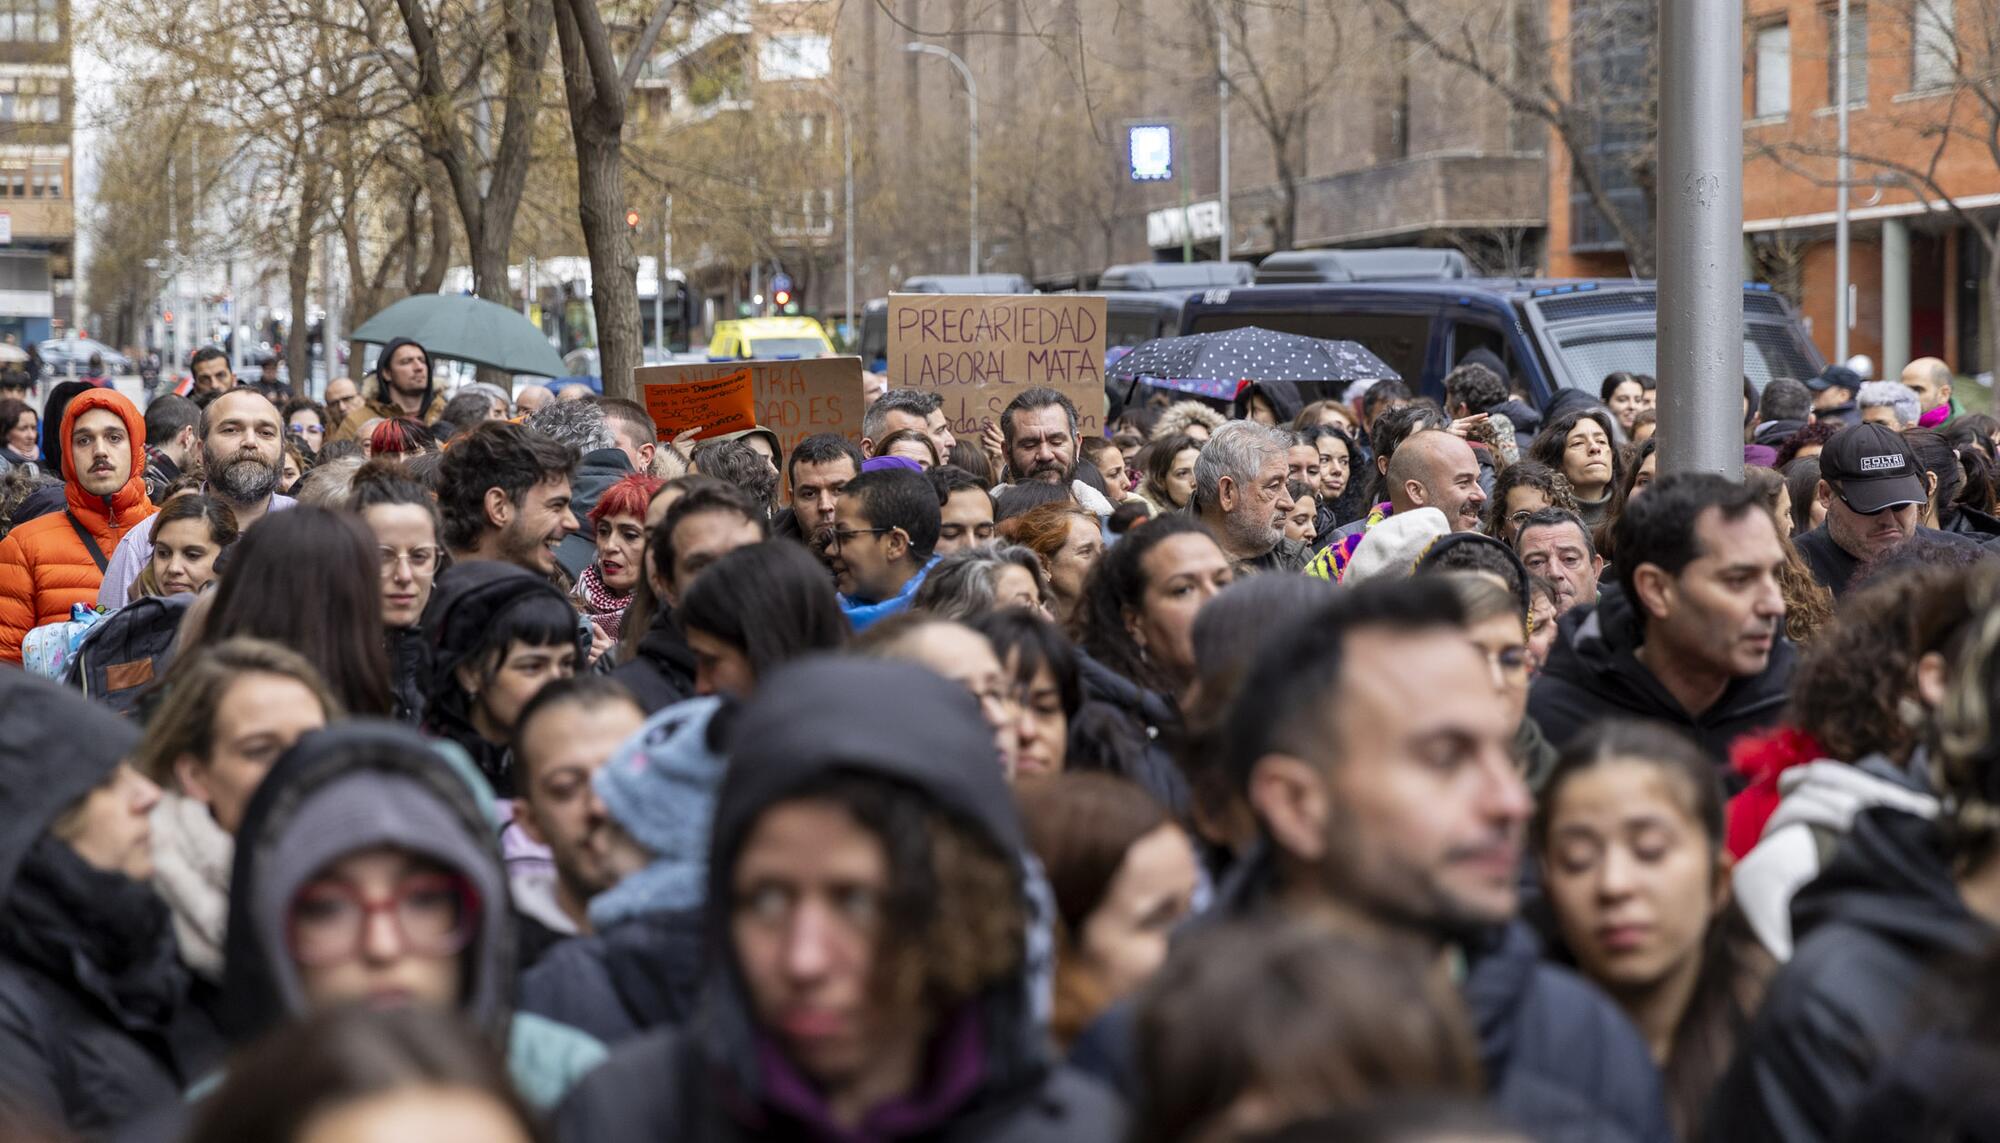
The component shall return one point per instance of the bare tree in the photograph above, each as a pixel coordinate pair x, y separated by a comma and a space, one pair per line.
596, 90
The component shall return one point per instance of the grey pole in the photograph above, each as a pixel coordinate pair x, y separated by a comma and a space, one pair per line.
1842, 314
1222, 125
972, 111
1700, 237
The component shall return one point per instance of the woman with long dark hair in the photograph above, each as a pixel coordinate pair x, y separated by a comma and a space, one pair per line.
307, 579
1583, 445
756, 609
1630, 842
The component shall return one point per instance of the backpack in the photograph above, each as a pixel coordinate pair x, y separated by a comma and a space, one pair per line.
128, 650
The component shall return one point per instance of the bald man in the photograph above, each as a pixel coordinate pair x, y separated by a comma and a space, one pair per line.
1930, 380
528, 398
1435, 469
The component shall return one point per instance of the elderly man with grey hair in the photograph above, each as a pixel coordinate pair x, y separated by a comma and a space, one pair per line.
1239, 492
583, 426
1889, 403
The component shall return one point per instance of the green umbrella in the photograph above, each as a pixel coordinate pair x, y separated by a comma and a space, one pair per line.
464, 328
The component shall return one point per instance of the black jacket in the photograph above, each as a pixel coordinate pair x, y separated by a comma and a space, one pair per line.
1128, 730
1560, 1060
662, 672
1873, 929
96, 1026
1974, 525
1283, 396
598, 470
1834, 567
637, 975
1593, 674
410, 672
710, 1081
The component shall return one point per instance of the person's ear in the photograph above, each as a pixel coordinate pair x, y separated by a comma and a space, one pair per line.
1225, 494
1933, 679
1656, 590
646, 452
1290, 798
1823, 492
526, 816
1135, 630
898, 542
188, 773
1930, 485
468, 678
867, 448
1416, 493
499, 507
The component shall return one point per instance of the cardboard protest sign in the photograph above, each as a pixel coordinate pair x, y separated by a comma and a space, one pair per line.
727, 404
979, 351
794, 399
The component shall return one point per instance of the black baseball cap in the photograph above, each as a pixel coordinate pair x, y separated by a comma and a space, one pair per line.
1834, 375
1872, 468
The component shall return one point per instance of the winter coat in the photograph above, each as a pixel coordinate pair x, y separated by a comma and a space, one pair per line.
96, 1028
1139, 728
1560, 1060
409, 672
598, 470
632, 976
380, 403
45, 569
319, 804
1834, 566
718, 1078
1939, 1087
1593, 674
1974, 525
1872, 932
1284, 556
662, 672
1816, 809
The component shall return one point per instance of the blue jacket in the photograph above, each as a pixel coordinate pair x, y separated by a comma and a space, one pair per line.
862, 616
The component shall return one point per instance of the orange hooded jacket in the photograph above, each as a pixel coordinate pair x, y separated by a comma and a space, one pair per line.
44, 567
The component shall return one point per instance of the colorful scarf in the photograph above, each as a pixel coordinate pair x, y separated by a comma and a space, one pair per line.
600, 604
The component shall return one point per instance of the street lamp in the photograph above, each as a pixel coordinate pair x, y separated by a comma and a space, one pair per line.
972, 109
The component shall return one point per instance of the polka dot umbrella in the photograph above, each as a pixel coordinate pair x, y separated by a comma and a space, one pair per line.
1220, 364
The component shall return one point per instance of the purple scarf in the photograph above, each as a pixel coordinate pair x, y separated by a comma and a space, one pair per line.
953, 1073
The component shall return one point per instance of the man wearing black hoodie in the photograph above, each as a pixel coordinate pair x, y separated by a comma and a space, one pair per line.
1408, 817
1693, 633
405, 386
871, 923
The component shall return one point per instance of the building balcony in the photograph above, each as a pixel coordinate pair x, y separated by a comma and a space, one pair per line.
1409, 197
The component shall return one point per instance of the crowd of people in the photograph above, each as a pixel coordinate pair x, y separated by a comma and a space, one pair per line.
482, 765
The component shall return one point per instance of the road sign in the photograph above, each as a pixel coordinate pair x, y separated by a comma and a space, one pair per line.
781, 283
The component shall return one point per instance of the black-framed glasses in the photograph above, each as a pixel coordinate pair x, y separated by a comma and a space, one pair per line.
836, 538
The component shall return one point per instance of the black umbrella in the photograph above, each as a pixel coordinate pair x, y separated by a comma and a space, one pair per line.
1251, 354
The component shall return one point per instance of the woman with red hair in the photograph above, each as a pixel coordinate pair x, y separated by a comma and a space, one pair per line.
605, 588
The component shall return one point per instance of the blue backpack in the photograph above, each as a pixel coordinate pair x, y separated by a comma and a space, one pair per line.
128, 650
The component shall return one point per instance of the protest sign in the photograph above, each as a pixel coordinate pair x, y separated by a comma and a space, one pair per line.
977, 352
725, 405
794, 398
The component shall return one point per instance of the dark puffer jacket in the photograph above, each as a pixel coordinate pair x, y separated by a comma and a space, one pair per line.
1594, 674
96, 1028
662, 672
1878, 925
717, 1079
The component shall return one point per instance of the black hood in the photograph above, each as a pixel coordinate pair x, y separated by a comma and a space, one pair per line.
382, 392
1892, 877
55, 747
831, 715
1283, 395
356, 785
1569, 401
470, 598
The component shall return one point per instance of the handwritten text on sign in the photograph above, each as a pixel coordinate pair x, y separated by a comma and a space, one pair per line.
979, 351
727, 404
794, 398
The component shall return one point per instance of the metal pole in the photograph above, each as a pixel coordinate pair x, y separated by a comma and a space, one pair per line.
329, 326
847, 212
1700, 237
1841, 308
1222, 125
1187, 224
660, 279
972, 114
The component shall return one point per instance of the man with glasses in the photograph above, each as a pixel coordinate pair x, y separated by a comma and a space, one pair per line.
885, 532
1554, 543
1873, 490
341, 399
1691, 635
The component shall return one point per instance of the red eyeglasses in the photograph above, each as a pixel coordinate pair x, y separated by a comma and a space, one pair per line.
434, 914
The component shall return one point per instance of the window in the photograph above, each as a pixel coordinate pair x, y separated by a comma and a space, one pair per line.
1934, 50
1857, 56
30, 99
1773, 95
795, 55
30, 21
46, 181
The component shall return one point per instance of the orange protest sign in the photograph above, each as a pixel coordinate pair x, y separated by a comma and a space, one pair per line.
793, 398
716, 406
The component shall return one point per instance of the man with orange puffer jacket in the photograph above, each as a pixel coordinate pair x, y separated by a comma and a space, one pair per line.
46, 564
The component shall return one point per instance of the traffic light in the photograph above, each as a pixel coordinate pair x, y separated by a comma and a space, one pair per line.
781, 298
632, 219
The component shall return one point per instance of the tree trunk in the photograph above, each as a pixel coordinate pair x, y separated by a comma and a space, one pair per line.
597, 117
1992, 330
1285, 219
298, 278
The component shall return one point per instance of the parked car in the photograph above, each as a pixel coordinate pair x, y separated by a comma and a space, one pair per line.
58, 352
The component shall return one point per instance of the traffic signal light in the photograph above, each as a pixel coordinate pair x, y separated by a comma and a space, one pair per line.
782, 298
632, 219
